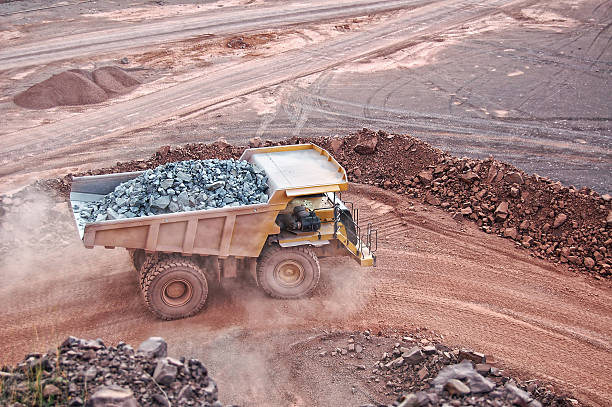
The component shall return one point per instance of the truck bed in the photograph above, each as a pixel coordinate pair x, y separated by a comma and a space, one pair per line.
230, 231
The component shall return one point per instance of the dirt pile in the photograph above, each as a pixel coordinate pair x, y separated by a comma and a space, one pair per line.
559, 223
86, 372
77, 87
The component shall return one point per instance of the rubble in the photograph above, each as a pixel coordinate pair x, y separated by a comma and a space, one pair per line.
179, 187
88, 373
453, 377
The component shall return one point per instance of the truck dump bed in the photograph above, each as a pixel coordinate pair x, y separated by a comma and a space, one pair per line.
231, 231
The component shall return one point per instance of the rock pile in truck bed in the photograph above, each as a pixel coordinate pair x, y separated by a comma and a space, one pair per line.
88, 373
179, 187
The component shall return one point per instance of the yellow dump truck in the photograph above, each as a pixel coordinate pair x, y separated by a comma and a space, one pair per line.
178, 255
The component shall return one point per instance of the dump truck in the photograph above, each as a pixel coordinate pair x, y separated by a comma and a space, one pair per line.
179, 256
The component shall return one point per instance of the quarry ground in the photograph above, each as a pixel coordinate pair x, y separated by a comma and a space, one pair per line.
526, 81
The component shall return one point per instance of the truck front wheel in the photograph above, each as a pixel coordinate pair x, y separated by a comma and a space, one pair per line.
288, 273
174, 287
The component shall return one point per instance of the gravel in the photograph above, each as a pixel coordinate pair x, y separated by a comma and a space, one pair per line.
180, 187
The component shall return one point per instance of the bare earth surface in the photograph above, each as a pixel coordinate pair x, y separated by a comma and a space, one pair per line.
526, 81
476, 290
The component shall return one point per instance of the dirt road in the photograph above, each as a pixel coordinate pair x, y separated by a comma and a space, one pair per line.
208, 21
21, 149
476, 290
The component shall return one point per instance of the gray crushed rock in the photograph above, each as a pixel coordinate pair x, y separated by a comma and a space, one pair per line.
87, 373
180, 187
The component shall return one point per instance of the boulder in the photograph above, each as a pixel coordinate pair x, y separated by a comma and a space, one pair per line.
366, 144
502, 210
514, 178
336, 144
154, 347
114, 396
469, 177
425, 176
559, 220
454, 386
512, 233
165, 371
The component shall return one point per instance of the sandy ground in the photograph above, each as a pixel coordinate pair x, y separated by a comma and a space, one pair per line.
473, 289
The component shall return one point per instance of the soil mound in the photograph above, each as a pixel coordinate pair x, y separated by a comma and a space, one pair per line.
114, 81
77, 87
64, 89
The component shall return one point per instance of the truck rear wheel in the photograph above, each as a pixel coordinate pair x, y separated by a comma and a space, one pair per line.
174, 287
288, 273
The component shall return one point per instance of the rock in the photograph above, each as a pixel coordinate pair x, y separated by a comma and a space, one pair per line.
398, 362
429, 350
432, 200
492, 173
454, 386
606, 197
51, 390
221, 143
114, 396
163, 151
154, 347
255, 142
589, 262
413, 356
165, 372
502, 210
426, 176
469, 177
366, 145
511, 233
475, 357
186, 393
466, 211
336, 144
527, 241
161, 203
519, 397
609, 219
124, 61
514, 178
559, 220
515, 192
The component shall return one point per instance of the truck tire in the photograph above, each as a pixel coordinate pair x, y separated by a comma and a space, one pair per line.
138, 257
174, 287
288, 273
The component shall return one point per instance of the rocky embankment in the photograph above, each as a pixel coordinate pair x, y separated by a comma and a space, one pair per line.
89, 373
563, 224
